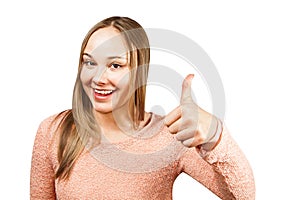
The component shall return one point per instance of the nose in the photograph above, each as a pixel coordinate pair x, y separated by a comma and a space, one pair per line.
101, 76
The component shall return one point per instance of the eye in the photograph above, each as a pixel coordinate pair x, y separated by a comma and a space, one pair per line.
115, 66
89, 63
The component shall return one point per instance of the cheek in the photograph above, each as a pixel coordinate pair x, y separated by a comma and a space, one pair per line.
122, 81
86, 76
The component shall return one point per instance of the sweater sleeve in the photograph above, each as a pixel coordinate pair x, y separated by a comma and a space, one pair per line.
42, 181
224, 170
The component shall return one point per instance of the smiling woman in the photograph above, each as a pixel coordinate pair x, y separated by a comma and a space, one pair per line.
108, 147
105, 70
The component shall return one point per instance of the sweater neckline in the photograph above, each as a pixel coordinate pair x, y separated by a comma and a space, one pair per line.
154, 126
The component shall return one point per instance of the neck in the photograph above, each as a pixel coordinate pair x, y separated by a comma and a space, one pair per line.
114, 121
117, 125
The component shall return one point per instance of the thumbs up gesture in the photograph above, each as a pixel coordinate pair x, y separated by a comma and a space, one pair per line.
192, 125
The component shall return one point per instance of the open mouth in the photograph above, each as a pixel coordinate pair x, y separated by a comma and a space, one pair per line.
102, 94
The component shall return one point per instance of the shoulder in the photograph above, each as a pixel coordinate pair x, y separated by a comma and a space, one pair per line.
49, 126
46, 141
54, 120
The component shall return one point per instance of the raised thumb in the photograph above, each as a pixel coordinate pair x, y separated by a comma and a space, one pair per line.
186, 94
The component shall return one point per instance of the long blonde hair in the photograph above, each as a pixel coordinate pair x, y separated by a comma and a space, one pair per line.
78, 126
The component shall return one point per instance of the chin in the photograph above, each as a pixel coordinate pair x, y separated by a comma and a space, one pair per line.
105, 108
102, 110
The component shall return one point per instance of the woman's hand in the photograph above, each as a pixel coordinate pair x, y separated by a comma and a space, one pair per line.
192, 125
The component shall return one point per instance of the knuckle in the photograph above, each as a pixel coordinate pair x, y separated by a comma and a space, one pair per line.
179, 137
187, 120
172, 131
201, 138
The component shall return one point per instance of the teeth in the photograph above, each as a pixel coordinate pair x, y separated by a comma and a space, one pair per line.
103, 91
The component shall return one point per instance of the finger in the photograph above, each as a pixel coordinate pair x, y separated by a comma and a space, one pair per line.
186, 94
188, 143
173, 116
193, 141
176, 126
184, 135
198, 140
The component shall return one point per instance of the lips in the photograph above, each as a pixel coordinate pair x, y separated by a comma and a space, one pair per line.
103, 94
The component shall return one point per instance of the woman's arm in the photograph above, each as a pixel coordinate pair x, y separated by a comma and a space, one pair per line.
224, 170
42, 181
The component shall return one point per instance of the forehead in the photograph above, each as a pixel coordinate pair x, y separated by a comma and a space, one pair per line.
106, 42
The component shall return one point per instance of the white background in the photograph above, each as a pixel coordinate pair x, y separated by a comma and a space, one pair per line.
255, 46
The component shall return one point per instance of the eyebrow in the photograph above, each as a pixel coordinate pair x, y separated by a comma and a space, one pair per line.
86, 54
114, 57
110, 57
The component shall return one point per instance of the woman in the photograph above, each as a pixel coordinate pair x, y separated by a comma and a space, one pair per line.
108, 147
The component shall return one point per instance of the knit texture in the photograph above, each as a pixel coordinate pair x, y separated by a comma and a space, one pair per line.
143, 167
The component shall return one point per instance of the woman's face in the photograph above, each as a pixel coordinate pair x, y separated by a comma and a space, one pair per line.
105, 70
